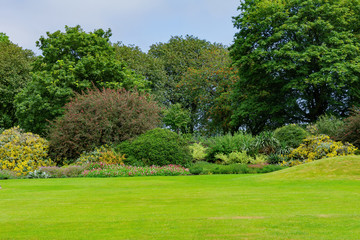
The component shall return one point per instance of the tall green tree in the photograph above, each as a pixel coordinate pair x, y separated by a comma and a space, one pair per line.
207, 89
191, 64
178, 54
143, 64
15, 67
71, 61
297, 60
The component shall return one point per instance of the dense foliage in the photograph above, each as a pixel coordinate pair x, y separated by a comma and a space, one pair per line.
350, 132
177, 118
211, 168
228, 143
103, 154
291, 135
101, 117
22, 152
71, 61
105, 170
156, 147
150, 68
297, 60
327, 124
206, 91
292, 62
317, 147
14, 74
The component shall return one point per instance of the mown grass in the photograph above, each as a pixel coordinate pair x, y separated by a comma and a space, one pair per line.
278, 205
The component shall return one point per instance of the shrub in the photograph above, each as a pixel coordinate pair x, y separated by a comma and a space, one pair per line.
291, 135
7, 174
327, 124
259, 159
227, 143
115, 170
212, 168
101, 117
266, 142
38, 174
196, 170
234, 157
65, 171
157, 147
276, 158
270, 168
102, 154
350, 132
198, 151
22, 152
317, 147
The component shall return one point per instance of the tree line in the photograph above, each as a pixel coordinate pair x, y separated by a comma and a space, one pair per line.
291, 61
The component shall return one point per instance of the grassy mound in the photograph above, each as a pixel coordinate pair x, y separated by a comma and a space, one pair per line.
346, 167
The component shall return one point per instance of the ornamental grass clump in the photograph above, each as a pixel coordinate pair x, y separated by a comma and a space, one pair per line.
228, 143
317, 147
22, 152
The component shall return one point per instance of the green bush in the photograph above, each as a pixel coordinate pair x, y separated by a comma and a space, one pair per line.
212, 168
327, 124
158, 147
227, 143
7, 174
196, 170
291, 135
270, 168
276, 158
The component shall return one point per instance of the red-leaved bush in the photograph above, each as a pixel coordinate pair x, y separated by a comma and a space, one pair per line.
350, 132
98, 117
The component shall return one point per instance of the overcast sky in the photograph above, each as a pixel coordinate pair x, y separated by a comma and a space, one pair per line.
139, 22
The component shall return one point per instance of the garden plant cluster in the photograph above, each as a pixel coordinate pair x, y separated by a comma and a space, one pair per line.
87, 107
162, 152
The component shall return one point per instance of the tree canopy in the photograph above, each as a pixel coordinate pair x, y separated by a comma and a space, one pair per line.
15, 67
71, 61
207, 89
143, 64
178, 54
198, 77
297, 60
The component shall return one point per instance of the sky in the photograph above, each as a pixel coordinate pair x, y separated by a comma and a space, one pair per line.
138, 22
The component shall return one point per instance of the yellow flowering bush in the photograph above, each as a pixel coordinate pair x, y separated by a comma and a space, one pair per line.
102, 154
317, 147
22, 152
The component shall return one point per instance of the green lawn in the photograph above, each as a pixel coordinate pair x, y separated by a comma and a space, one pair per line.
278, 205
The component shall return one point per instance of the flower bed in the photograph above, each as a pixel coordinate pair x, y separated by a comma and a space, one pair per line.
117, 170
